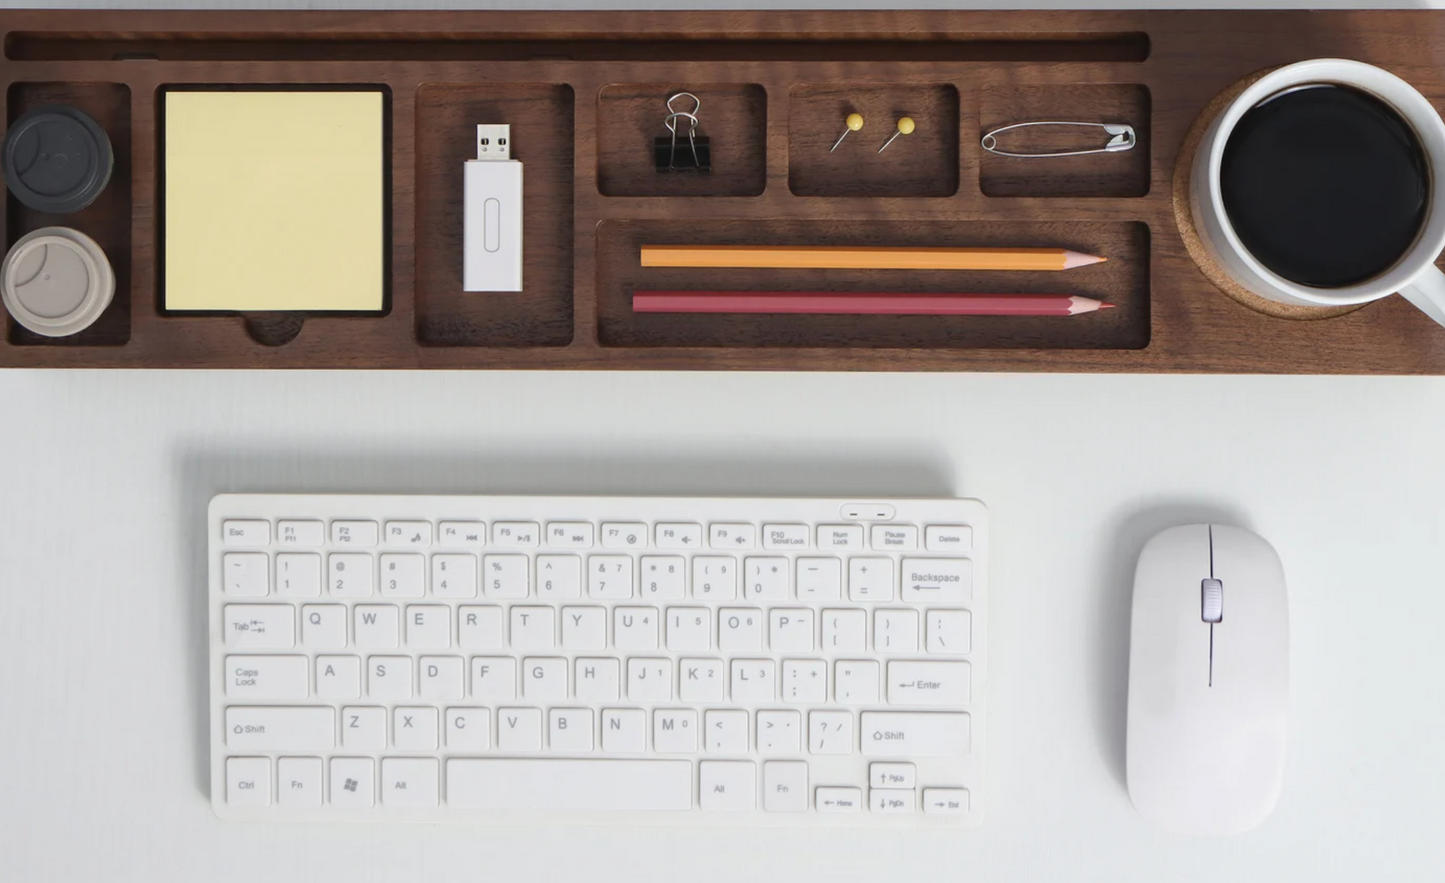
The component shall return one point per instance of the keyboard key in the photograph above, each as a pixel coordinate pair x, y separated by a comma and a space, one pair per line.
597, 679
928, 683
948, 537
298, 574
624, 535
353, 785
892, 775
805, 681
480, 628
288, 728
674, 731
354, 533
506, 576
892, 800
323, 626
727, 731
544, 679
740, 629
468, 729
569, 785
569, 730
388, 677
584, 628
937, 580
298, 781
785, 536
570, 534
949, 631
416, 534
895, 631
820, 579
441, 678
689, 629
559, 577
790, 630
409, 783
945, 801
248, 781
870, 579
268, 677
894, 537
754, 680
677, 535
714, 578
461, 534
785, 786
519, 729
454, 575
732, 536
609, 577
428, 627
376, 626
649, 680
634, 629
349, 575
855, 681
727, 785
845, 630
494, 677
766, 579
780, 732
515, 534
300, 533
246, 532
830, 732
414, 728
840, 537
338, 677
533, 628
624, 730
259, 626
664, 577
403, 576
246, 574
914, 734
701, 680
837, 799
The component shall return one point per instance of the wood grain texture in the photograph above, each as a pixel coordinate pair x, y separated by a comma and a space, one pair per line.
580, 88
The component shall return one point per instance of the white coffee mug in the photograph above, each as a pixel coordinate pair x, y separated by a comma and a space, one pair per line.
1414, 275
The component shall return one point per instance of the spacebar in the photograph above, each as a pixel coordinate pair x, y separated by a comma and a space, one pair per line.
584, 785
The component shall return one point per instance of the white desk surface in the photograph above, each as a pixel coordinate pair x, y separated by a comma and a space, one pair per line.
103, 742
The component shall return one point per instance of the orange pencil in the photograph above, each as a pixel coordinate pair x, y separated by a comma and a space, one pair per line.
799, 257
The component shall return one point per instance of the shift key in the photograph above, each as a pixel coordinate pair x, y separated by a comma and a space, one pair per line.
915, 734
284, 728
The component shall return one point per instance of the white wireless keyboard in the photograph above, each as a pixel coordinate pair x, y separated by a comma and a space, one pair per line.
618, 659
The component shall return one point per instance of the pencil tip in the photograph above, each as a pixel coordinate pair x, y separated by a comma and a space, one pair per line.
1074, 259
1106, 306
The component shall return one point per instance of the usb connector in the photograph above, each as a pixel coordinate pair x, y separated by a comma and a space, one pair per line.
492, 214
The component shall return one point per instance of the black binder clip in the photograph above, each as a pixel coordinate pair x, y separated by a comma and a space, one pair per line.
696, 154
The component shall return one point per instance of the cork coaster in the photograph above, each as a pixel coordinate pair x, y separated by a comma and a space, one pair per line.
1184, 218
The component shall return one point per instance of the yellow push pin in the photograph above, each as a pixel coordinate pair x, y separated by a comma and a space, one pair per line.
905, 127
855, 122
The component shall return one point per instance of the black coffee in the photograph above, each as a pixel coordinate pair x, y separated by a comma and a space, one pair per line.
1325, 185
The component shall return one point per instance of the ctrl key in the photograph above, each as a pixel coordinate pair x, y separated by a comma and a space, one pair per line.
248, 781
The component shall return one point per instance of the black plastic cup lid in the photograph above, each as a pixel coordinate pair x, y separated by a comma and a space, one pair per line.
56, 159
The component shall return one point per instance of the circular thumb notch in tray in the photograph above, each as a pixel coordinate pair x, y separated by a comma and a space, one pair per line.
1184, 219
274, 329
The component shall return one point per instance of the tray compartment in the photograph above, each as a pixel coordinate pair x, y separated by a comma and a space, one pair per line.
107, 220
541, 117
924, 163
1123, 281
1121, 174
733, 116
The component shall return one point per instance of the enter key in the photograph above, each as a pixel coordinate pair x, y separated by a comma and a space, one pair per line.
928, 683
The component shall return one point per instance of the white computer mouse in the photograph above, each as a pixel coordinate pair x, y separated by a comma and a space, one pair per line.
1208, 680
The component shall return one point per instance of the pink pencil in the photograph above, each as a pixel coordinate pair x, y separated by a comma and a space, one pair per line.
864, 303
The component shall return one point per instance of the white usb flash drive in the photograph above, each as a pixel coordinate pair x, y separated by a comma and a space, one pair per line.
492, 217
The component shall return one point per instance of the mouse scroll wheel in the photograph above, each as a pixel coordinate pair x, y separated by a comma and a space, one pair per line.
1211, 594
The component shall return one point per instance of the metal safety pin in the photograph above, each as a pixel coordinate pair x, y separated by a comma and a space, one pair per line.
1123, 138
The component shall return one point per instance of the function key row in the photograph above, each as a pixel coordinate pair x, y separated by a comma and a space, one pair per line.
363, 533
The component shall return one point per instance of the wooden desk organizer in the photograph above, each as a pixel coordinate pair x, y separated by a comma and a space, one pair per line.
584, 94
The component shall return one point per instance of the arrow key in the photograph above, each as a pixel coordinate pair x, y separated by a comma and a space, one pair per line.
945, 801
837, 799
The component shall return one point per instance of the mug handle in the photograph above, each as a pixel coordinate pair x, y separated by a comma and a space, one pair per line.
1427, 292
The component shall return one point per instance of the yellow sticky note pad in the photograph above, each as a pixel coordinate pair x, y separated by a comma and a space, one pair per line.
274, 200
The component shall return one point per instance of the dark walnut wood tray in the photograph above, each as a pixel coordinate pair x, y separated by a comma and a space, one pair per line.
584, 94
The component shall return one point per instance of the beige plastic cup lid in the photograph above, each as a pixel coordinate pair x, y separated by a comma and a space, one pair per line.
56, 281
